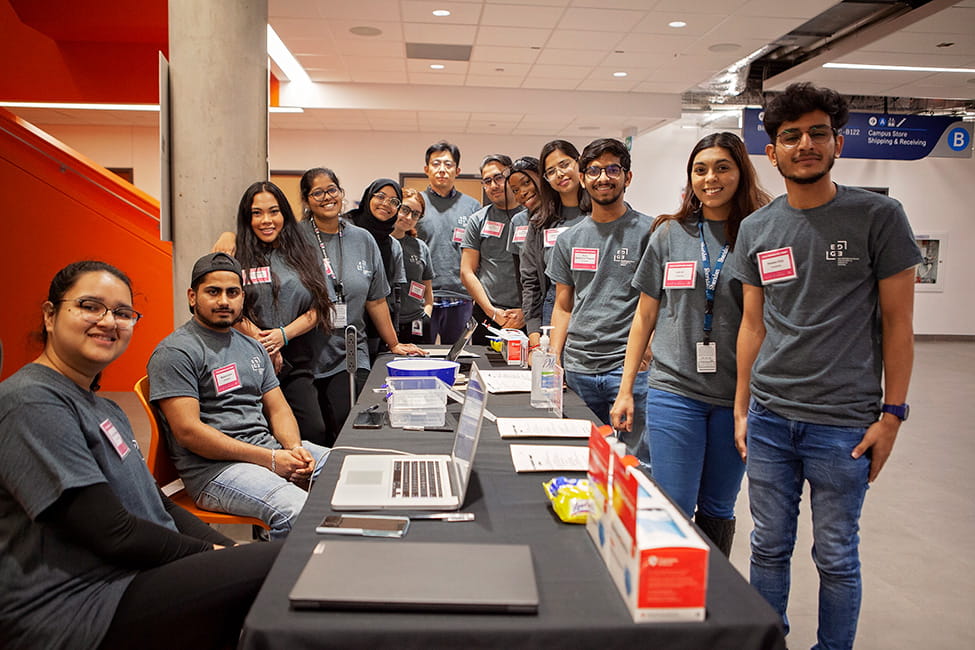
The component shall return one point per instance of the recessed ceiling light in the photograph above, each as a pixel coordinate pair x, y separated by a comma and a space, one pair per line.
619, 74
724, 47
437, 66
895, 68
677, 24
365, 30
440, 13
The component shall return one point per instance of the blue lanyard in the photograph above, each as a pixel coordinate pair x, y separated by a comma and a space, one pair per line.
710, 279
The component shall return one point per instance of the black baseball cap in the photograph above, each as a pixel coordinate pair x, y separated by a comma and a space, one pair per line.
215, 262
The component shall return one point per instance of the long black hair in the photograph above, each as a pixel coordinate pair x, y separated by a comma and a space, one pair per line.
297, 252
550, 210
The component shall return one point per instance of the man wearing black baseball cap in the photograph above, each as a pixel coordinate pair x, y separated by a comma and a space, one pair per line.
232, 435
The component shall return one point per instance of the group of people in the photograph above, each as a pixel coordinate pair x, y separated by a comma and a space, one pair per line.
737, 334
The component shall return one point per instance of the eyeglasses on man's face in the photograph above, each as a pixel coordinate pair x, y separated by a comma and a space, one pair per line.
497, 179
320, 194
593, 172
446, 164
93, 311
391, 201
561, 168
407, 211
819, 134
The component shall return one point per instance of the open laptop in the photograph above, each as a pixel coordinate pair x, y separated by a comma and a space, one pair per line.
416, 482
418, 576
455, 351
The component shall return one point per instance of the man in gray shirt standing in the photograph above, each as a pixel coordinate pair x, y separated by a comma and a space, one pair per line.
487, 267
442, 228
232, 435
593, 265
827, 276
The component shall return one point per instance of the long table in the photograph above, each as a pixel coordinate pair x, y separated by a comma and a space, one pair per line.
579, 606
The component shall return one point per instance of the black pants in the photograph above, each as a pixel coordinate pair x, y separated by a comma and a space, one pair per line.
333, 399
198, 601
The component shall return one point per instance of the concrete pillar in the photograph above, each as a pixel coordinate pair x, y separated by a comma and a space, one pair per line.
218, 99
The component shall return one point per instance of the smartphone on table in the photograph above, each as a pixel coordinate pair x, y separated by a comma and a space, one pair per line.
365, 525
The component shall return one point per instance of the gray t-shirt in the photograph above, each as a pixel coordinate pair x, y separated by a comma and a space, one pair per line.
680, 319
519, 232
821, 360
535, 256
442, 228
54, 436
598, 261
416, 258
228, 373
489, 232
357, 266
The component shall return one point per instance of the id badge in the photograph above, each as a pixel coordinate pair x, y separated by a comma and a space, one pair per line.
417, 328
707, 357
340, 317
115, 438
458, 237
417, 290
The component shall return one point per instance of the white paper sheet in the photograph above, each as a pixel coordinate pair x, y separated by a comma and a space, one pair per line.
543, 428
507, 381
549, 458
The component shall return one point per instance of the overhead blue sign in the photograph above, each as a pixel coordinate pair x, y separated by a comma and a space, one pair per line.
883, 136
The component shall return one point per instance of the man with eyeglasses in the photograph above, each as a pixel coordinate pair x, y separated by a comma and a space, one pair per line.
442, 228
231, 433
827, 275
487, 269
592, 265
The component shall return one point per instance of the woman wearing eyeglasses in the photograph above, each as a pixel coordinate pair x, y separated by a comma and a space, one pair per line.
417, 294
560, 197
693, 310
356, 276
92, 554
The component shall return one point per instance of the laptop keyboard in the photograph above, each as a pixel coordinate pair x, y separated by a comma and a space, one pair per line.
417, 478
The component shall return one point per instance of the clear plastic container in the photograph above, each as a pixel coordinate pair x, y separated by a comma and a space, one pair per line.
417, 401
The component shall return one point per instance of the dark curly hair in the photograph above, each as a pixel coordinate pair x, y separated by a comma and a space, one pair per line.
801, 98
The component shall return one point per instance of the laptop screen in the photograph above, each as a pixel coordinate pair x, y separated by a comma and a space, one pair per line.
468, 427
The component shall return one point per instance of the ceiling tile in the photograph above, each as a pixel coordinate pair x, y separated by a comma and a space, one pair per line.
569, 39
423, 65
436, 79
357, 64
421, 11
577, 72
543, 83
803, 10
359, 46
556, 56
504, 54
605, 20
657, 22
494, 81
512, 36
506, 69
448, 34
340, 30
609, 85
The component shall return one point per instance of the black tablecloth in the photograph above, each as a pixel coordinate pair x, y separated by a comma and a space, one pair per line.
579, 606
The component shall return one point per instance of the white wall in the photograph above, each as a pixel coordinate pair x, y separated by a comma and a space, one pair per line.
938, 193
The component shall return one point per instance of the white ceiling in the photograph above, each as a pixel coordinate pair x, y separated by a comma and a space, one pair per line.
545, 67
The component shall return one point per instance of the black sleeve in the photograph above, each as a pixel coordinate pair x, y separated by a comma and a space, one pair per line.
94, 518
190, 524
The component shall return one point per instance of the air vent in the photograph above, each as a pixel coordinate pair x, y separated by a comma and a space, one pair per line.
438, 51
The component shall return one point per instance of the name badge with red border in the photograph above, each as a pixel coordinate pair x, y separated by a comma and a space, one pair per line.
226, 379
584, 259
520, 234
776, 265
328, 267
552, 234
259, 275
680, 275
115, 438
416, 290
492, 229
458, 235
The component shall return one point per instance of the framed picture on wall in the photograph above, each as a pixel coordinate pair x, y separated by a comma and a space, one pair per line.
929, 275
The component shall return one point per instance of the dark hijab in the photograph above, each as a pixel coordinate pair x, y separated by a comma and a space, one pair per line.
381, 230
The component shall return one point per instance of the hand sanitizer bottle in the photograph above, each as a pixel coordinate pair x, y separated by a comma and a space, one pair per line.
543, 374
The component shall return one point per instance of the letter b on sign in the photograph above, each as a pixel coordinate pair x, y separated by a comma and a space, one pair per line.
958, 139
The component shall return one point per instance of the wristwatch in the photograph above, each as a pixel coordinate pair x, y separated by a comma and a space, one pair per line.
900, 410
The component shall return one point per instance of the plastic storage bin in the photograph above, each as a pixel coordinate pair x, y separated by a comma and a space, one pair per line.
417, 401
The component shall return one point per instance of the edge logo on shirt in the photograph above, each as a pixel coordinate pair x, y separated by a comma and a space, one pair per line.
837, 252
621, 257
363, 268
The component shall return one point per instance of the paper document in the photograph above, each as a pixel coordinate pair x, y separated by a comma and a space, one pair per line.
507, 381
543, 428
549, 458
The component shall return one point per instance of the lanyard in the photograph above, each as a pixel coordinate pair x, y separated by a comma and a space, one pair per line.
329, 268
710, 279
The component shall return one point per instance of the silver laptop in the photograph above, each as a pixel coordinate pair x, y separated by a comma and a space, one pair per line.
416, 482
418, 576
456, 351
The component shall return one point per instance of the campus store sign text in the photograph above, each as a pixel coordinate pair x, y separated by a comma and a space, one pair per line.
884, 136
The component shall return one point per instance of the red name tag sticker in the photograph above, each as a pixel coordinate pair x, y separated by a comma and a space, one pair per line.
777, 265
492, 229
226, 379
259, 275
520, 234
552, 235
680, 275
115, 438
416, 290
585, 259
458, 235
328, 267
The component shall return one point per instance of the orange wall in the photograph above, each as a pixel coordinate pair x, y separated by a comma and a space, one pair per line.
59, 208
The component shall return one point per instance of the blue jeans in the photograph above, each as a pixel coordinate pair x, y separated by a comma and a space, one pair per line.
694, 456
448, 322
599, 392
254, 491
782, 455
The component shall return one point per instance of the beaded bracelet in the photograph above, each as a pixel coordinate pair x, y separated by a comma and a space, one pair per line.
272, 461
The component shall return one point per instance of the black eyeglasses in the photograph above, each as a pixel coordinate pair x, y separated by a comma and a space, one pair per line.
320, 194
593, 172
497, 179
790, 138
446, 164
561, 168
391, 201
93, 311
407, 211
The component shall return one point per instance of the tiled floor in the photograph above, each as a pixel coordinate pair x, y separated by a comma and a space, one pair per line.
918, 523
